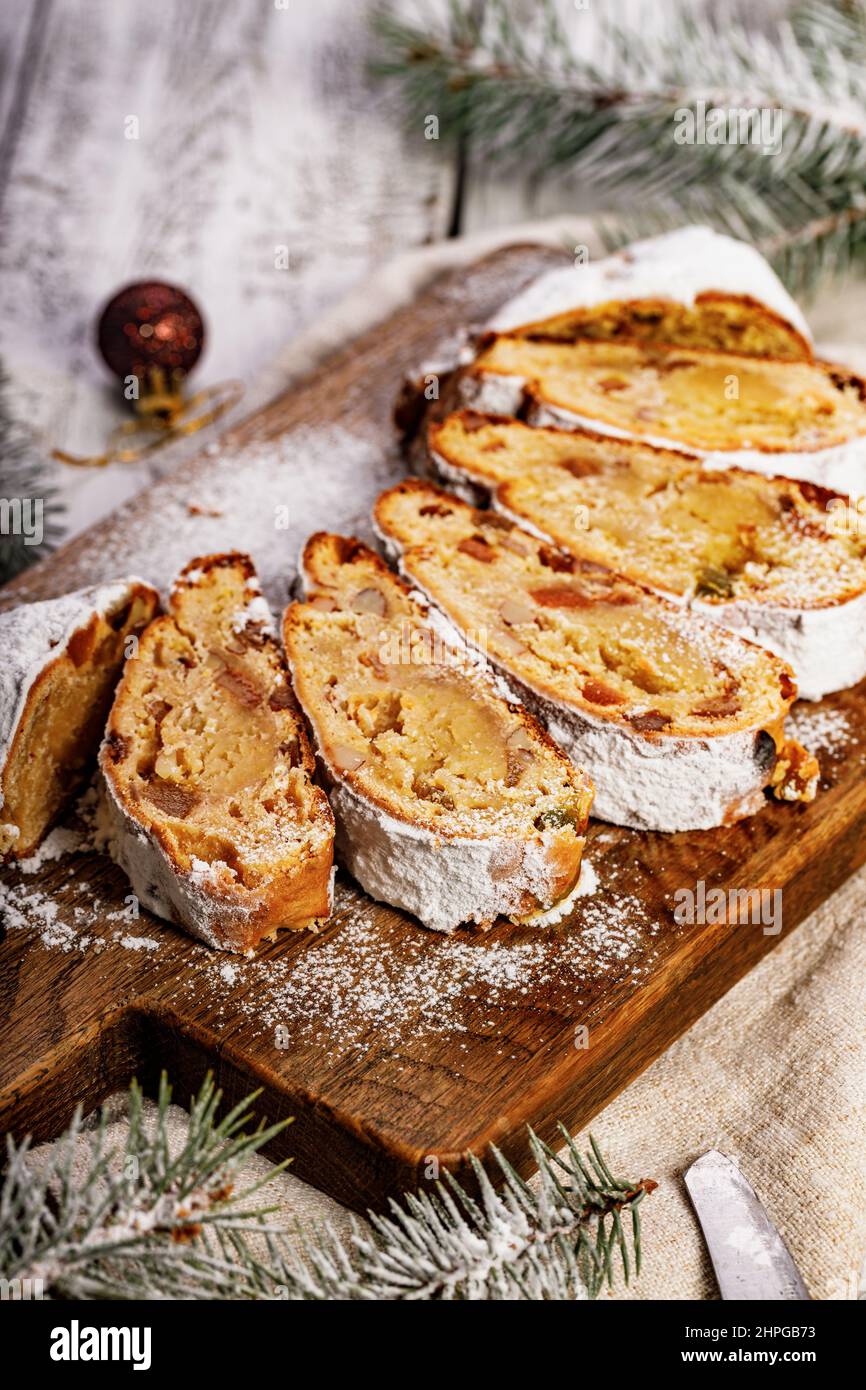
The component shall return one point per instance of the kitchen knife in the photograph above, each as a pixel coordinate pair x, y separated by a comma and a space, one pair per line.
750, 1258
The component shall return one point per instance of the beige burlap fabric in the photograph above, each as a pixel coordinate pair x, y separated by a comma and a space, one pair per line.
775, 1074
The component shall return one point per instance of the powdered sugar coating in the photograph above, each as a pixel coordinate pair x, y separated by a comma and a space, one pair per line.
678, 265
161, 887
841, 468
825, 647
442, 882
35, 634
669, 785
206, 899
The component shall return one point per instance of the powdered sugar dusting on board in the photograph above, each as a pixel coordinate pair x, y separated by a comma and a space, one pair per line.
83, 924
59, 842
821, 730
264, 500
351, 992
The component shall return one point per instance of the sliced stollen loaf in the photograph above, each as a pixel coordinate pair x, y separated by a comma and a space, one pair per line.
680, 723
207, 769
451, 802
764, 555
693, 287
798, 419
60, 663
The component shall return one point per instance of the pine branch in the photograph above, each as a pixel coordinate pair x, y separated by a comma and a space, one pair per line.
140, 1224
558, 1243
144, 1224
526, 98
562, 1241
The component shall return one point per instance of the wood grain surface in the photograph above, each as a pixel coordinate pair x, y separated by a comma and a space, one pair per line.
396, 1050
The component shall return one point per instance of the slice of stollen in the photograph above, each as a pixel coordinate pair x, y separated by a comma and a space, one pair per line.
207, 769
796, 419
451, 803
679, 723
61, 659
693, 287
765, 555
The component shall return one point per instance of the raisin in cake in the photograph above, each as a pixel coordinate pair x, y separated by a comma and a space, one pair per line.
451, 802
764, 555
207, 769
693, 287
679, 723
60, 663
799, 419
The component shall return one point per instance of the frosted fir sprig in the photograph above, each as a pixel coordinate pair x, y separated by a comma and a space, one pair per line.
87, 1222
559, 1239
513, 87
82, 1221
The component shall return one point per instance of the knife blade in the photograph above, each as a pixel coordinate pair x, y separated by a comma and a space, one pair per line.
750, 1258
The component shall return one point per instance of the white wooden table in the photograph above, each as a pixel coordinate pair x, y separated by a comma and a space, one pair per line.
257, 129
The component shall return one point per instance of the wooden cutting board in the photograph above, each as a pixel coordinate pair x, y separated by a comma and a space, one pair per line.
396, 1050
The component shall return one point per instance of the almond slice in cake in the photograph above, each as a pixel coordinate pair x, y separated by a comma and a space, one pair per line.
679, 723
765, 555
798, 419
59, 664
451, 802
207, 769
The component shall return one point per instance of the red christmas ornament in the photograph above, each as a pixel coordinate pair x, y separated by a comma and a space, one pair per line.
151, 330
151, 336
